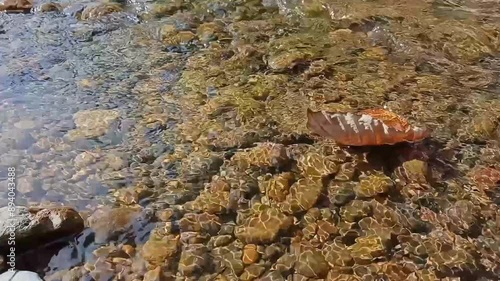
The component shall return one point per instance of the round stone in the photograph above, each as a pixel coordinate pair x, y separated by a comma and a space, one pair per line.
250, 254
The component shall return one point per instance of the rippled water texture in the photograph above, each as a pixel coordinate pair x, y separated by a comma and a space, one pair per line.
139, 108
54, 66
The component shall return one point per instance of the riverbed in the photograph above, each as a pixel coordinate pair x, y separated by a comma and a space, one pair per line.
179, 129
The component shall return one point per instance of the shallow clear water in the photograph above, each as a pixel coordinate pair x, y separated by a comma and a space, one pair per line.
90, 107
52, 66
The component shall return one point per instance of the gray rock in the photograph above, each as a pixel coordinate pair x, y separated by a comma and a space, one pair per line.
270, 3
85, 159
92, 123
74, 10
109, 223
33, 227
10, 159
115, 162
25, 124
12, 219
17, 139
29, 184
18, 275
89, 119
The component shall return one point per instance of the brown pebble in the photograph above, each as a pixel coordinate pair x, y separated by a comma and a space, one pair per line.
165, 215
154, 275
250, 254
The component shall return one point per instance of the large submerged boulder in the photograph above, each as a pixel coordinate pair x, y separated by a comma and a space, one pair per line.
33, 227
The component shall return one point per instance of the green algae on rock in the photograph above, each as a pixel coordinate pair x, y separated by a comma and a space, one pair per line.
286, 53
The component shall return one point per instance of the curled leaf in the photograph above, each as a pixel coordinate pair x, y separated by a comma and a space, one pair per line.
367, 127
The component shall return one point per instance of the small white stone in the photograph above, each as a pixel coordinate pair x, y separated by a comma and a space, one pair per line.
18, 275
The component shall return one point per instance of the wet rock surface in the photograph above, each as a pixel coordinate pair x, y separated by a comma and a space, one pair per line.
16, 6
32, 227
92, 123
177, 130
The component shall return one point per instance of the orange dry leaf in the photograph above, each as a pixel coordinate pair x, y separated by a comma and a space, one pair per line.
367, 127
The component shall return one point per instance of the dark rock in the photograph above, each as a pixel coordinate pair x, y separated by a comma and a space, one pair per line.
16, 6
33, 227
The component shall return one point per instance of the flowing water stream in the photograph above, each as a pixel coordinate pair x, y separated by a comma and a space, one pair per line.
147, 100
